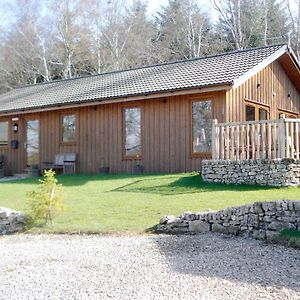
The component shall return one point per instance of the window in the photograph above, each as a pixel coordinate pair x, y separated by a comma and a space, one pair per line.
132, 126
287, 114
201, 126
262, 114
250, 113
33, 142
68, 128
256, 112
4, 133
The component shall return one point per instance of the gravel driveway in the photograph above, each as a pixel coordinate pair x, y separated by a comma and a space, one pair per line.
206, 266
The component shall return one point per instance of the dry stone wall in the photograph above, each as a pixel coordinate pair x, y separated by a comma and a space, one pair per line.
12, 221
279, 172
261, 220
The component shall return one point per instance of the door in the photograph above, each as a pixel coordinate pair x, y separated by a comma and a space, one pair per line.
32, 142
257, 141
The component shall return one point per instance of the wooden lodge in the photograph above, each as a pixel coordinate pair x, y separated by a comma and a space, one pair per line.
157, 118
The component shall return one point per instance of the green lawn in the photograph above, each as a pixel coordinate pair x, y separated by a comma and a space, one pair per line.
118, 203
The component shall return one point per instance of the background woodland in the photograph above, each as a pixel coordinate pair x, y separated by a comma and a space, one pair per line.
50, 40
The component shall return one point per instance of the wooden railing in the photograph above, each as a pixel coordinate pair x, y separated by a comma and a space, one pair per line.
268, 139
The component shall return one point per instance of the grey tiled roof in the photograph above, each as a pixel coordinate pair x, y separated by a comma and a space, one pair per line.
206, 71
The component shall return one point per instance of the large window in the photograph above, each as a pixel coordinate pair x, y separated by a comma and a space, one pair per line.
33, 142
132, 131
4, 133
201, 126
68, 131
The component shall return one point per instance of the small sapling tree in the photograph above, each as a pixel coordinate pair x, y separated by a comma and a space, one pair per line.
47, 201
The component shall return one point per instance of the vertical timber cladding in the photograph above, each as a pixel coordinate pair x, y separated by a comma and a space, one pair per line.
166, 136
270, 86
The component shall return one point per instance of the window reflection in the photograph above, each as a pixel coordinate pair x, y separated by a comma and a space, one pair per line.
132, 118
250, 113
263, 114
68, 128
32, 142
4, 133
202, 126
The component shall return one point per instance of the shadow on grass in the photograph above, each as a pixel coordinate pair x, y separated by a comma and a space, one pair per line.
80, 179
162, 184
184, 185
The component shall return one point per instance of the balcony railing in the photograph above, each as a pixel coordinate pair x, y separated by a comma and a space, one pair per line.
269, 139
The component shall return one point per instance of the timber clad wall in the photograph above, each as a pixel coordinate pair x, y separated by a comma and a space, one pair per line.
166, 136
272, 79
166, 127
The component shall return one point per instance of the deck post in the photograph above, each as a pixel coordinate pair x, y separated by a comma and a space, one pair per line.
281, 137
214, 139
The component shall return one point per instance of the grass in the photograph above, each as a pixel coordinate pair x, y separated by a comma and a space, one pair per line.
135, 203
290, 237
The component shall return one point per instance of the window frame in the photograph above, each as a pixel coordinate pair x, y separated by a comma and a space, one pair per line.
199, 99
8, 133
288, 113
61, 116
257, 106
132, 157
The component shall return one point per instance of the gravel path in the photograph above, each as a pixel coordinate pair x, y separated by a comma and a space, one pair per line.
204, 266
15, 177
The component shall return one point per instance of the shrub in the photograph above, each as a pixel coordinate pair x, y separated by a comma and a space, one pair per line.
289, 237
47, 201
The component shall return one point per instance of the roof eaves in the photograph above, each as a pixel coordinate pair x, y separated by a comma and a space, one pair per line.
247, 75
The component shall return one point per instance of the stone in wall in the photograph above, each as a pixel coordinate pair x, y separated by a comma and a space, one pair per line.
275, 172
260, 220
12, 221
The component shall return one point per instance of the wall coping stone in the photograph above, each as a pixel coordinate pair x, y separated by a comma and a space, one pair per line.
260, 220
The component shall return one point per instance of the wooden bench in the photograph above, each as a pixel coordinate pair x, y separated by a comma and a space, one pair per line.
65, 162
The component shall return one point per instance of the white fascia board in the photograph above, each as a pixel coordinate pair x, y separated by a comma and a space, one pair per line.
237, 82
294, 58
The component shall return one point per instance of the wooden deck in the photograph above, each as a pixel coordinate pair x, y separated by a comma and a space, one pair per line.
269, 139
